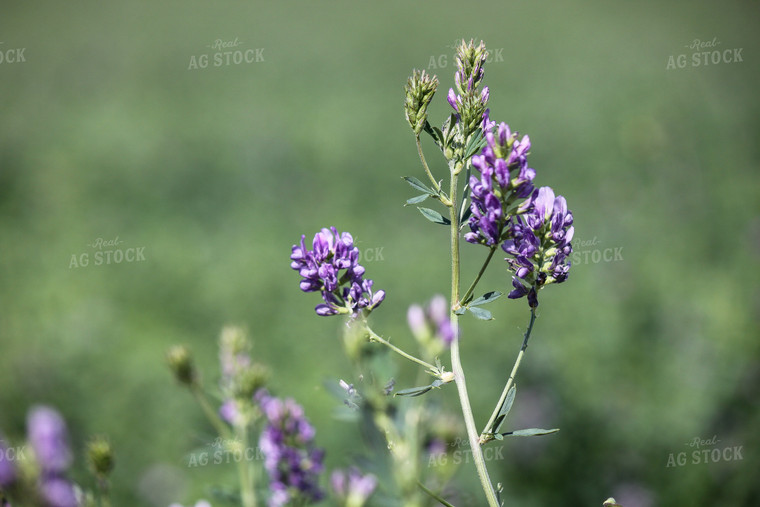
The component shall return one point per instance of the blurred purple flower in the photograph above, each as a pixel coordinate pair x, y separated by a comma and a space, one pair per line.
351, 487
332, 268
58, 492
7, 469
290, 458
228, 411
433, 320
48, 437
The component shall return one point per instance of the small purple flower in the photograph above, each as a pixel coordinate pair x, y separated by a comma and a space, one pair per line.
7, 470
48, 437
432, 321
332, 268
504, 179
8, 473
290, 458
58, 492
228, 412
351, 487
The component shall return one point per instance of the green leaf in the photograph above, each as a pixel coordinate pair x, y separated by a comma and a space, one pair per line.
505, 408
419, 391
413, 391
487, 298
481, 313
435, 133
531, 432
415, 183
474, 145
434, 216
419, 198
461, 310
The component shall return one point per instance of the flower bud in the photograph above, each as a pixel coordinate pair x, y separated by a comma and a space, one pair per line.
181, 364
420, 89
100, 456
470, 60
250, 380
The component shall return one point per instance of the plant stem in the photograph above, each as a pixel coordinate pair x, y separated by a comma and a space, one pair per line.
456, 363
435, 496
247, 489
487, 434
376, 337
477, 279
211, 414
437, 188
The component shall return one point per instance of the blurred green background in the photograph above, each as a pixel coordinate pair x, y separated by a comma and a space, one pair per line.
107, 131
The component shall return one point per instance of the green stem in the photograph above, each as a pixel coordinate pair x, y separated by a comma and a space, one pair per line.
477, 279
432, 494
246, 478
437, 188
456, 363
488, 431
376, 337
213, 417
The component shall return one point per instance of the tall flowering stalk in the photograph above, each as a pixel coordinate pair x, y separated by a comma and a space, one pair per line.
503, 210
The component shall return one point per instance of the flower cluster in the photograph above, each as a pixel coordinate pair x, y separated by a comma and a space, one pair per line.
48, 437
332, 268
431, 326
540, 244
351, 487
467, 101
504, 179
290, 458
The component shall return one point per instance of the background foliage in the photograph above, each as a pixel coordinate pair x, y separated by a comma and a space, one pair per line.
216, 172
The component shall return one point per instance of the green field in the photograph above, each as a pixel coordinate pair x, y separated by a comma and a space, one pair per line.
112, 128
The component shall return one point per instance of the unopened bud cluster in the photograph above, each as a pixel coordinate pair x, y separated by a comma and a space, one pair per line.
420, 89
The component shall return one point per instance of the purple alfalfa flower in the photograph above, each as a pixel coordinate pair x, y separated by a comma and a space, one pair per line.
432, 326
228, 412
57, 491
291, 460
8, 474
48, 437
539, 244
332, 268
504, 179
351, 487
